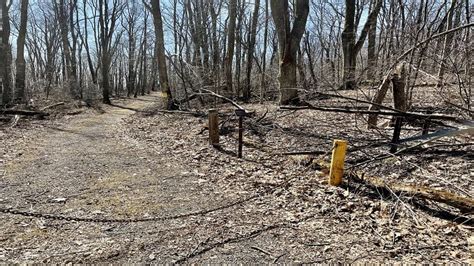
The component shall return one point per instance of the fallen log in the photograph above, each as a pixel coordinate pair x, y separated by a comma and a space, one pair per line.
464, 204
372, 112
23, 112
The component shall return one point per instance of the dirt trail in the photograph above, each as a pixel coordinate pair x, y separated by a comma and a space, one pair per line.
85, 169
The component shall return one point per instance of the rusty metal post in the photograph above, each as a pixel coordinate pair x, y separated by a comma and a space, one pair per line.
396, 135
426, 125
241, 132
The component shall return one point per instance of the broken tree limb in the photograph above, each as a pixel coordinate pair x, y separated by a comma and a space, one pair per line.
399, 102
223, 98
380, 95
468, 128
351, 111
23, 112
435, 36
464, 204
52, 106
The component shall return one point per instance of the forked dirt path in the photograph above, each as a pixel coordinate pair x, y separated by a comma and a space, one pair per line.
84, 168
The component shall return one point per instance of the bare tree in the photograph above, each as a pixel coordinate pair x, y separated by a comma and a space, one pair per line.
289, 41
251, 49
107, 23
5, 52
65, 20
228, 61
166, 95
350, 47
20, 55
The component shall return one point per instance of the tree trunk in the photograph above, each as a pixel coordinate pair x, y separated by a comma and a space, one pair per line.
61, 14
5, 53
228, 61
446, 44
264, 55
289, 41
20, 58
251, 49
162, 68
351, 48
371, 53
348, 43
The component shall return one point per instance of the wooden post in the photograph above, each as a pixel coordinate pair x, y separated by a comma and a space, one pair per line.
337, 162
213, 127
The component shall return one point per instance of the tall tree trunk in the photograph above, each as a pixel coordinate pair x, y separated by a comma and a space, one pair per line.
160, 50
371, 52
228, 61
20, 56
264, 55
348, 43
289, 41
61, 13
351, 48
5, 53
251, 49
104, 45
446, 44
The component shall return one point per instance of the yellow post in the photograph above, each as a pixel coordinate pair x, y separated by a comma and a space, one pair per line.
337, 162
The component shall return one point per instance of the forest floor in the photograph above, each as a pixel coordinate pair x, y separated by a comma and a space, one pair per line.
127, 161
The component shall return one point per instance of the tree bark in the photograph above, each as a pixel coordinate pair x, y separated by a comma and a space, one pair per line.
228, 61
61, 13
20, 58
251, 49
371, 52
350, 47
160, 50
5, 53
289, 41
446, 44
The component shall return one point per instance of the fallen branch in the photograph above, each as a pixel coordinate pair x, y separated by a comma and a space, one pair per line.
462, 203
23, 112
371, 112
467, 129
223, 98
52, 106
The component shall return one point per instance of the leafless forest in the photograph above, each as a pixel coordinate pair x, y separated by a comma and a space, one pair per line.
236, 131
